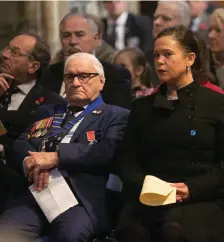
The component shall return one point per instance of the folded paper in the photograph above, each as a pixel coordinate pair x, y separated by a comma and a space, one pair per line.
156, 192
56, 198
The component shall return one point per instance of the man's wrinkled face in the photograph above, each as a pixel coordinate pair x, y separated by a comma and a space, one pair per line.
76, 35
80, 89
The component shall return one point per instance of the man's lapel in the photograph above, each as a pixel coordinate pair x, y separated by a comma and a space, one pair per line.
88, 120
31, 100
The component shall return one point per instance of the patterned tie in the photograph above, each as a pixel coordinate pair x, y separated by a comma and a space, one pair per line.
6, 98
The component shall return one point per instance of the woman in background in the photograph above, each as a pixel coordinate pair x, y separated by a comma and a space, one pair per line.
177, 135
216, 37
134, 60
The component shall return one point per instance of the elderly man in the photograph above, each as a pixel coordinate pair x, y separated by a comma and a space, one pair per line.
80, 140
80, 34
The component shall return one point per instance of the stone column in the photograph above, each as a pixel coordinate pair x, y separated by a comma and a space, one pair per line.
33, 16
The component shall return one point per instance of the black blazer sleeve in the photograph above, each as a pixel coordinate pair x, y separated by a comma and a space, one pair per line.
210, 184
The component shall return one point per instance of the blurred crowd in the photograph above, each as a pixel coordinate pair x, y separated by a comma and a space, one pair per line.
70, 112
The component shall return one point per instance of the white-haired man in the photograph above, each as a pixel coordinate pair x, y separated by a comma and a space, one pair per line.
79, 139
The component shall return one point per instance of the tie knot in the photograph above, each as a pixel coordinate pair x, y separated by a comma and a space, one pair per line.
75, 109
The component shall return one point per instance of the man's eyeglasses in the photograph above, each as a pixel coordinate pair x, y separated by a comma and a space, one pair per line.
15, 52
82, 77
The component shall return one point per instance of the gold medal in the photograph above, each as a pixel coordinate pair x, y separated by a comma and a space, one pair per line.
37, 134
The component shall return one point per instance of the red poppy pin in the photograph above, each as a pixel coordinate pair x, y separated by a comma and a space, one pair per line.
203, 26
39, 101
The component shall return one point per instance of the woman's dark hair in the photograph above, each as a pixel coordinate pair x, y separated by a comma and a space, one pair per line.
138, 59
191, 42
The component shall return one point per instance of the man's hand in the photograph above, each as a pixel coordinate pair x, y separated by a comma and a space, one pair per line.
182, 191
5, 82
29, 164
39, 165
42, 181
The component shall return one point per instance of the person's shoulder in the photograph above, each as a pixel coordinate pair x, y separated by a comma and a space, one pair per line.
56, 67
114, 108
51, 97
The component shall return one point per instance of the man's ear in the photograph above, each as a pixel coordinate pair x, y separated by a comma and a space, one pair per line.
34, 66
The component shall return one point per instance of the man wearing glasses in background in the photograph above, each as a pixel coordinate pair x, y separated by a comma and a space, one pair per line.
81, 142
21, 65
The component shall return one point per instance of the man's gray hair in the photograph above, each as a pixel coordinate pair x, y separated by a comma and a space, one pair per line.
91, 23
184, 10
91, 58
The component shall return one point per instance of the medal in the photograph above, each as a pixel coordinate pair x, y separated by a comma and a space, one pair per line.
91, 137
37, 134
44, 132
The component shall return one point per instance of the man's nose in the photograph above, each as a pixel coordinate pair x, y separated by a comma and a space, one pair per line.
73, 40
76, 81
5, 53
157, 21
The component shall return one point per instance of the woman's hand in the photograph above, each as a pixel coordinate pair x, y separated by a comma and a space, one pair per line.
182, 191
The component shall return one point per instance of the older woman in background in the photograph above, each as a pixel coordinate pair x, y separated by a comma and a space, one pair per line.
216, 37
177, 135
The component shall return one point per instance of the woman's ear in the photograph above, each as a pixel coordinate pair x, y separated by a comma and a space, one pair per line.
34, 66
191, 58
139, 71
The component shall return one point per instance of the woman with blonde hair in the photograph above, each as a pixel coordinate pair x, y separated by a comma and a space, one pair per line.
216, 38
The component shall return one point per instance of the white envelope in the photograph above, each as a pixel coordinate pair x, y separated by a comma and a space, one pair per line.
56, 198
156, 192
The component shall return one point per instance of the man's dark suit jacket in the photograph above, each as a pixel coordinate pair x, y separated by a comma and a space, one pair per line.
116, 91
87, 164
136, 26
17, 121
179, 142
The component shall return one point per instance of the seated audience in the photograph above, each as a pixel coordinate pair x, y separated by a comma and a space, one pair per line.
177, 135
80, 34
135, 61
81, 140
216, 38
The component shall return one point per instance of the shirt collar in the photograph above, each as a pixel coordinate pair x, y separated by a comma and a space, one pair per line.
26, 87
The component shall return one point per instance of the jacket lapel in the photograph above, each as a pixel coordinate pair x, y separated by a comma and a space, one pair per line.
88, 120
29, 103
